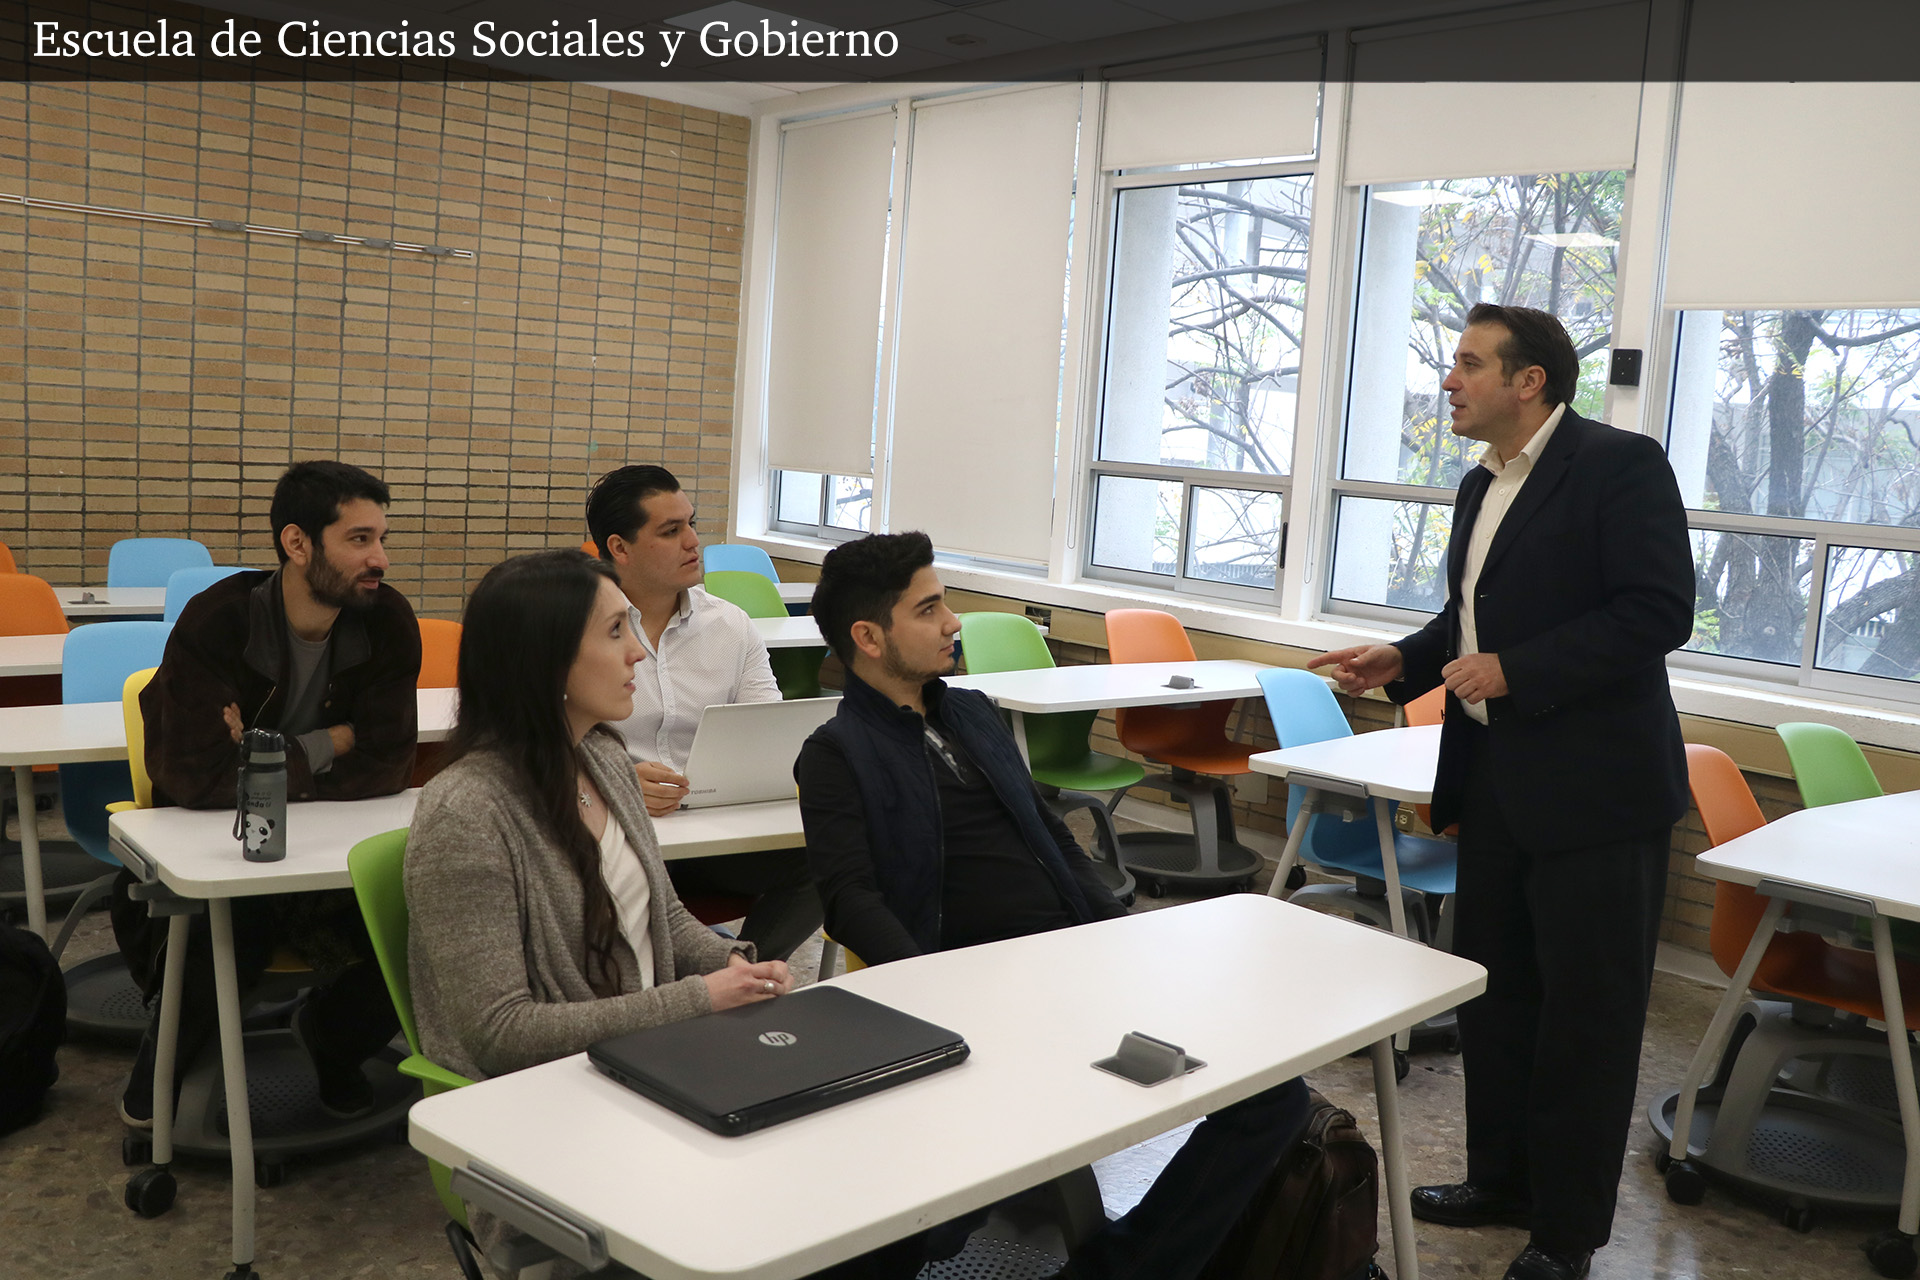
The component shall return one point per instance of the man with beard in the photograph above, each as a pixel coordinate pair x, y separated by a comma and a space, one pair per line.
925, 833
324, 653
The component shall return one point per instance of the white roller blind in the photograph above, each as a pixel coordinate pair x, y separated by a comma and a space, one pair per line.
1433, 102
982, 294
1249, 108
1796, 195
829, 254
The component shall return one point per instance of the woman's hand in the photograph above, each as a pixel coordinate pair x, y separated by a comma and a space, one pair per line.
742, 983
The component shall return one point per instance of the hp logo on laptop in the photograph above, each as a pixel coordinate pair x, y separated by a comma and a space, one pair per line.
778, 1039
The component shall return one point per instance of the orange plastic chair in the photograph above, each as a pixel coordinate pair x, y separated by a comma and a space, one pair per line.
590, 548
6, 559
439, 654
29, 607
1190, 740
1797, 966
1428, 709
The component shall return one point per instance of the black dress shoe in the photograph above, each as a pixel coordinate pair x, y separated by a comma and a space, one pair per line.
1535, 1263
1463, 1204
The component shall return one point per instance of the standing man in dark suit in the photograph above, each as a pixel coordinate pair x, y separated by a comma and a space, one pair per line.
1569, 580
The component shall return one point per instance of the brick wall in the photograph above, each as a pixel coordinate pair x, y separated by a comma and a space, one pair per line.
157, 379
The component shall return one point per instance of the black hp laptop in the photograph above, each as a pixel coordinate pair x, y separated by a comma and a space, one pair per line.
747, 1068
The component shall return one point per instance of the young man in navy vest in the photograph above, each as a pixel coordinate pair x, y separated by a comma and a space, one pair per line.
964, 852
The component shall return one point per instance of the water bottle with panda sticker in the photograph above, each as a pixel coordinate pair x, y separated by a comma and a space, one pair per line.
260, 809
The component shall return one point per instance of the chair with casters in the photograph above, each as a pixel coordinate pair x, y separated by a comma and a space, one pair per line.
797, 671
738, 557
1056, 747
1191, 740
184, 584
102, 661
29, 607
1800, 1112
287, 1117
1828, 764
6, 559
1343, 834
149, 562
439, 654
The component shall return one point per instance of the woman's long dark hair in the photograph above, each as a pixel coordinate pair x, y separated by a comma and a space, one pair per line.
520, 634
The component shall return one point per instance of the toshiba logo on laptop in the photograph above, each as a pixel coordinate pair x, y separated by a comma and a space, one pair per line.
778, 1039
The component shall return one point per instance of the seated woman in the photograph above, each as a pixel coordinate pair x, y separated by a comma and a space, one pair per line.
541, 915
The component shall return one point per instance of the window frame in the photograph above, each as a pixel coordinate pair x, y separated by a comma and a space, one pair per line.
819, 528
1093, 468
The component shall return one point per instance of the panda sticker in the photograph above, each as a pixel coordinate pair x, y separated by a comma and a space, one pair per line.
259, 829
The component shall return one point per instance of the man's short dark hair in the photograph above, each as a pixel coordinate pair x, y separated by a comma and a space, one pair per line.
861, 581
311, 494
616, 507
1533, 337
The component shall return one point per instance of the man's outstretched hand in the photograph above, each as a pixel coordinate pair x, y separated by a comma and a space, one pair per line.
1363, 667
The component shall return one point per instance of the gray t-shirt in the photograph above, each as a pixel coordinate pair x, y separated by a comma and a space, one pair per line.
307, 672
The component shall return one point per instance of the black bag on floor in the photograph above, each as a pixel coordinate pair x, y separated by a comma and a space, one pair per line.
33, 1022
1316, 1216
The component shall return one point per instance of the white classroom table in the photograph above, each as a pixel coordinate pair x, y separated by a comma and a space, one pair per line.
1102, 686
1386, 764
74, 733
796, 592
193, 853
634, 1182
35, 655
113, 602
790, 633
1861, 858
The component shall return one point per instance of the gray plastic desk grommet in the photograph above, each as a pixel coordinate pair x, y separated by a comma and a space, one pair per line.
1146, 1060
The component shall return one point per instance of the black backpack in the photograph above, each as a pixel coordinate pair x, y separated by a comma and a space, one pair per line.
1316, 1216
33, 1021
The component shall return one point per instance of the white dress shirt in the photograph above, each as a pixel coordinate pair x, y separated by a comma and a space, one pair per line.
1508, 477
709, 654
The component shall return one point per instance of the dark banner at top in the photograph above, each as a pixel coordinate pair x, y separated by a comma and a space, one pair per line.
806, 42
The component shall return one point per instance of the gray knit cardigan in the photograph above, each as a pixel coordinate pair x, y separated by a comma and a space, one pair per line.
496, 933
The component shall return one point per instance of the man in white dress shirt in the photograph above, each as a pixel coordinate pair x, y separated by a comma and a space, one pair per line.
704, 652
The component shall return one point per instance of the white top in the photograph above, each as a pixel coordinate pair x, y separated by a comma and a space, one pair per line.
1118, 684
1025, 1107
796, 592
35, 655
626, 882
708, 654
790, 633
1863, 848
1394, 764
1508, 477
113, 602
63, 734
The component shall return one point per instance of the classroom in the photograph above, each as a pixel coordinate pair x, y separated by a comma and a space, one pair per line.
1154, 320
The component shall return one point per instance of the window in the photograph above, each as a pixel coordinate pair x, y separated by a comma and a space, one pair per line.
1795, 436
823, 506
1195, 444
1429, 251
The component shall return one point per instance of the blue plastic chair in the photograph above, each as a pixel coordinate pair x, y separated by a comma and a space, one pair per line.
737, 557
147, 562
94, 668
1304, 710
184, 584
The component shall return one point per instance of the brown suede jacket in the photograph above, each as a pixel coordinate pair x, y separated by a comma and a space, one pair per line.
230, 646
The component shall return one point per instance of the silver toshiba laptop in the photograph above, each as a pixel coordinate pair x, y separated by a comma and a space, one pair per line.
743, 752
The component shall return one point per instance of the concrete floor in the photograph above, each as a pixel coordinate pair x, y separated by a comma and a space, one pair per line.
372, 1213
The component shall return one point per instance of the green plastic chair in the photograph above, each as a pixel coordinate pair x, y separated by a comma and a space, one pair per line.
375, 865
1828, 764
1063, 762
796, 670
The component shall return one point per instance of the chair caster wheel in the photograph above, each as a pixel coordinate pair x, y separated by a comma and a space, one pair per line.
1797, 1217
243, 1271
1296, 877
1156, 889
136, 1149
268, 1174
1891, 1254
150, 1192
1662, 1161
1685, 1183
1402, 1065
